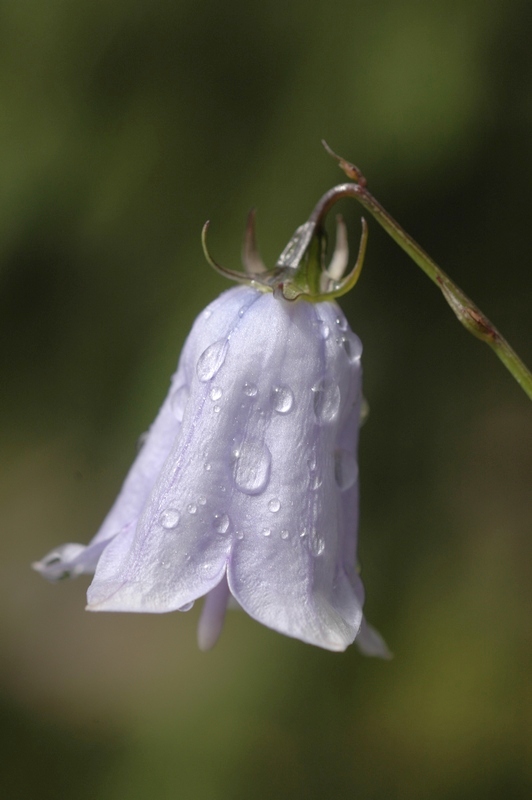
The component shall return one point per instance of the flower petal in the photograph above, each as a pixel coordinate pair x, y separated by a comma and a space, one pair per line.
157, 444
370, 642
69, 561
286, 568
182, 541
212, 615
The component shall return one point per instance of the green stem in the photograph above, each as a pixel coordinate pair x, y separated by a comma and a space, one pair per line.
466, 311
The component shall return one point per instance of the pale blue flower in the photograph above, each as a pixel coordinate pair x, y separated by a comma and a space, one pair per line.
246, 485
247, 482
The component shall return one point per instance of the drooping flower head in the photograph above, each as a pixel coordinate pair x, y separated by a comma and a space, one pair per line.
246, 486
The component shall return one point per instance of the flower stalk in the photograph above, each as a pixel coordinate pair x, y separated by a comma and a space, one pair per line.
471, 317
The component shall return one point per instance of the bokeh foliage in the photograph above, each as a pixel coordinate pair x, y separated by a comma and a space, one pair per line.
125, 125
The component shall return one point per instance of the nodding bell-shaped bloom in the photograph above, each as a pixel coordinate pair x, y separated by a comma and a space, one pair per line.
246, 485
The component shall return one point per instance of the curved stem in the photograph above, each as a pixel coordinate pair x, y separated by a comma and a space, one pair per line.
466, 311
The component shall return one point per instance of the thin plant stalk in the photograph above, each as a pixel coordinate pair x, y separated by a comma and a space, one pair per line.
466, 311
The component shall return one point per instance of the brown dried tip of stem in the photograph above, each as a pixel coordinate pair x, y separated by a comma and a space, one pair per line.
350, 169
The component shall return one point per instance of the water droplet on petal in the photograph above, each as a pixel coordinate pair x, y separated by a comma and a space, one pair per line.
191, 508
207, 313
217, 409
284, 534
316, 543
169, 518
325, 330
326, 400
312, 462
274, 505
242, 311
186, 607
202, 500
221, 523
252, 467
315, 482
178, 402
240, 534
342, 323
211, 360
207, 467
352, 346
266, 532
215, 393
345, 469
250, 389
283, 399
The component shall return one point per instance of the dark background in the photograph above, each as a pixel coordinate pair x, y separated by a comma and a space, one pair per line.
123, 126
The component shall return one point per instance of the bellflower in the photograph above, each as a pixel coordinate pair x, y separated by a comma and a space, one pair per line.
246, 485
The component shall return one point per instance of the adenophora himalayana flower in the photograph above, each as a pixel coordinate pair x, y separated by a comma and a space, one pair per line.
246, 485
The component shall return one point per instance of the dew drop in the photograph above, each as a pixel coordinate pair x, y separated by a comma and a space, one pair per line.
342, 323
284, 534
242, 311
207, 467
217, 409
312, 462
169, 519
211, 360
315, 482
250, 389
266, 532
221, 523
283, 399
325, 330
207, 313
215, 393
178, 402
345, 469
326, 400
240, 535
192, 508
274, 505
252, 467
187, 606
352, 346
202, 501
316, 543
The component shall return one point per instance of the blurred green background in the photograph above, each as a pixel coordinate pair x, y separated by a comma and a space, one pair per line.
123, 126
